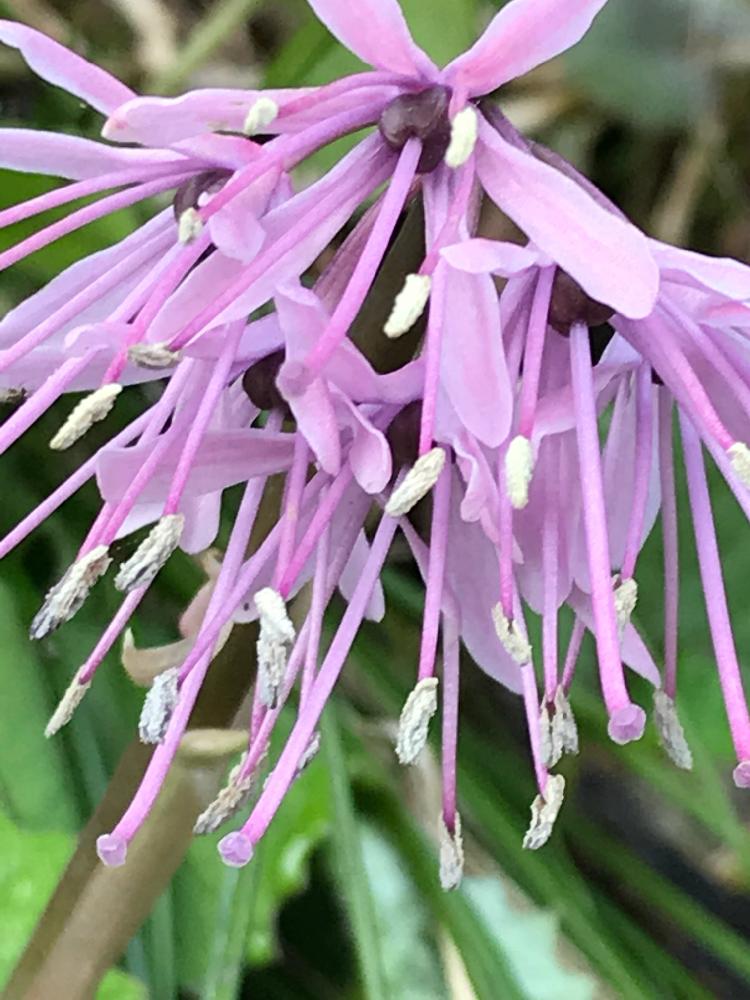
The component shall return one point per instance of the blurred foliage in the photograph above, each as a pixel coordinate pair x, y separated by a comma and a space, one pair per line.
645, 888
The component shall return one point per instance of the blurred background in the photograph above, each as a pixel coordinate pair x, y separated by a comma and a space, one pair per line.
644, 890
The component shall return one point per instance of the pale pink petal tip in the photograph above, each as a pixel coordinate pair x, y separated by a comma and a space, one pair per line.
293, 379
236, 849
627, 724
112, 850
741, 774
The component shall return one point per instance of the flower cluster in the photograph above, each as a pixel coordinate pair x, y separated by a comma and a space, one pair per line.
493, 416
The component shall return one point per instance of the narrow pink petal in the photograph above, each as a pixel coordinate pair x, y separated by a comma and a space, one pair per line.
481, 256
376, 31
472, 369
523, 35
58, 65
72, 157
635, 653
350, 577
608, 257
718, 274
369, 453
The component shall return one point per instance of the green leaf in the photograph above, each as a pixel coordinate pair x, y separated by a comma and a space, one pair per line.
347, 857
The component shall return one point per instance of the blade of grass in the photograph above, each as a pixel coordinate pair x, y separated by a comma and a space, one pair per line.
229, 942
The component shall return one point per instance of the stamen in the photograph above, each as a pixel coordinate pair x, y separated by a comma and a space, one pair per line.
67, 706
91, 410
519, 468
516, 645
408, 305
626, 724
276, 635
159, 704
417, 483
227, 803
112, 850
414, 723
189, 226
67, 596
739, 456
544, 810
550, 744
261, 114
451, 854
310, 753
464, 128
565, 723
153, 355
626, 598
151, 554
671, 733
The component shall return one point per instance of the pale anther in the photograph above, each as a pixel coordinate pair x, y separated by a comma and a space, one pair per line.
227, 803
417, 482
153, 355
451, 854
464, 128
261, 114
671, 733
519, 468
514, 642
414, 722
275, 637
66, 597
544, 810
739, 456
158, 706
91, 410
189, 226
151, 554
66, 707
626, 598
408, 305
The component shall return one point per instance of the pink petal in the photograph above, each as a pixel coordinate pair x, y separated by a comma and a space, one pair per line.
481, 256
369, 454
728, 277
224, 459
316, 419
202, 516
58, 65
236, 229
351, 573
69, 156
376, 31
473, 370
634, 651
525, 34
608, 257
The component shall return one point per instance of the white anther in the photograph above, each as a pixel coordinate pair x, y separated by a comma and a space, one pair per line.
564, 722
67, 596
519, 468
227, 803
414, 722
66, 707
153, 355
544, 810
408, 305
417, 482
626, 598
261, 114
158, 706
515, 643
739, 456
189, 226
151, 554
311, 752
275, 637
464, 129
451, 855
550, 742
671, 733
91, 409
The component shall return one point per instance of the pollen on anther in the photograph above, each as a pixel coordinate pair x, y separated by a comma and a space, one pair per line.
158, 706
514, 642
739, 456
91, 410
151, 554
153, 355
414, 722
261, 114
275, 637
190, 226
544, 810
519, 469
451, 854
409, 305
417, 483
66, 707
464, 129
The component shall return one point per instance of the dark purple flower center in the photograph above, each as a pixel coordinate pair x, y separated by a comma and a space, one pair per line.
188, 194
422, 116
570, 304
259, 383
403, 435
